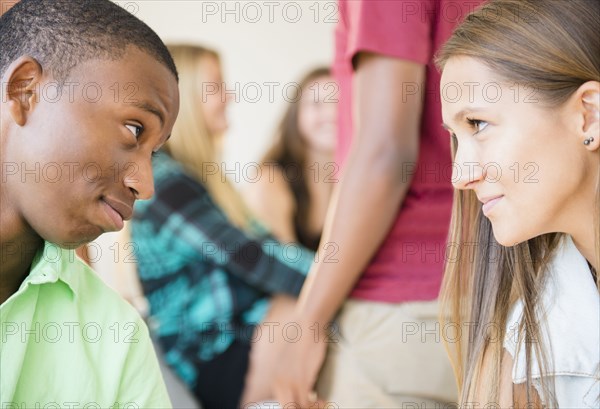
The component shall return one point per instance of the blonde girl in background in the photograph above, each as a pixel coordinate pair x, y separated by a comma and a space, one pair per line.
211, 274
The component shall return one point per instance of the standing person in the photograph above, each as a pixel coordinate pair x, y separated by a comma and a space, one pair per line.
389, 218
527, 174
210, 272
298, 172
68, 143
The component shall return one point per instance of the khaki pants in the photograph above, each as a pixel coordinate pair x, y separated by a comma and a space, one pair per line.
387, 356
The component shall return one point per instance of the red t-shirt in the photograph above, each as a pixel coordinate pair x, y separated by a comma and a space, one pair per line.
408, 266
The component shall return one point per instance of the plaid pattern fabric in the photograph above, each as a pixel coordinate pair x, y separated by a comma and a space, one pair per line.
207, 282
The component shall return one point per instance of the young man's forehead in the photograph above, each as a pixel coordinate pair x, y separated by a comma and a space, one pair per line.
135, 72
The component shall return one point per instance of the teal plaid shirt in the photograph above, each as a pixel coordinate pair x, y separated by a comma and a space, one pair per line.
207, 282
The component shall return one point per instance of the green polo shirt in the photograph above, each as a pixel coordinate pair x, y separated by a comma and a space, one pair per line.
67, 340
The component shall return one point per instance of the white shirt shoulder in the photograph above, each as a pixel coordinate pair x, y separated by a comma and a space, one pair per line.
569, 328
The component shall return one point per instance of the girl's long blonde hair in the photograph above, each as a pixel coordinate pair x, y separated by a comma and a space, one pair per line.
191, 143
554, 47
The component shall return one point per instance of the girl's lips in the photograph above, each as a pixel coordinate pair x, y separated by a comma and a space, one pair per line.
489, 204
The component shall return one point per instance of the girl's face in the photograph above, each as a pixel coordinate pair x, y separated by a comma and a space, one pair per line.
317, 114
214, 101
526, 163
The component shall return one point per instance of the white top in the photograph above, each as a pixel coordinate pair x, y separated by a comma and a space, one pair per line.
570, 329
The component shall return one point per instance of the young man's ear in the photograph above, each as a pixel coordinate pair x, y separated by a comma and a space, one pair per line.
589, 96
21, 88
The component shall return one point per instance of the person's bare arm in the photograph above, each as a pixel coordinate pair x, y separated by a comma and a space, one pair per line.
363, 208
373, 185
271, 200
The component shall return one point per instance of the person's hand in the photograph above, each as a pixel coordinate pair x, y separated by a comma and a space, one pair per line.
299, 366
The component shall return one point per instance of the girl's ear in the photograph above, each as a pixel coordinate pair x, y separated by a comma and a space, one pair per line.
588, 101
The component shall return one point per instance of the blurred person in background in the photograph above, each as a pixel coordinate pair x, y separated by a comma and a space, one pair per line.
298, 172
210, 272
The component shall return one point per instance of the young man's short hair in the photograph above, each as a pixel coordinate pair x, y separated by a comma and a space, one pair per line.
61, 34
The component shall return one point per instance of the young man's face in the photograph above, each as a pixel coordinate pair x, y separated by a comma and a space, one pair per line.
74, 168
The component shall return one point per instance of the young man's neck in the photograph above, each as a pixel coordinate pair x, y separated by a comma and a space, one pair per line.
18, 246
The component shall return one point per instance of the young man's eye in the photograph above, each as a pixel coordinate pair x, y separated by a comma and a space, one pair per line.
136, 130
477, 124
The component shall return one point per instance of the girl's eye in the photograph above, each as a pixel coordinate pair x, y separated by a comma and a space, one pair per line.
136, 130
477, 124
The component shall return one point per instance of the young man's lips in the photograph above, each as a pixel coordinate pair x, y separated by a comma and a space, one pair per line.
124, 210
113, 215
117, 211
489, 202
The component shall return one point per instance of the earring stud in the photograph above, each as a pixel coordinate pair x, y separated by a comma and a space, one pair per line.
588, 140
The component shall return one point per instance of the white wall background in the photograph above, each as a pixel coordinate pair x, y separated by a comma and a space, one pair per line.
259, 42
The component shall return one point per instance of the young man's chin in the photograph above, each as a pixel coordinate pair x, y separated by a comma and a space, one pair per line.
72, 245
74, 242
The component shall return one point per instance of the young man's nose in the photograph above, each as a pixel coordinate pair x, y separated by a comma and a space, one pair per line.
141, 180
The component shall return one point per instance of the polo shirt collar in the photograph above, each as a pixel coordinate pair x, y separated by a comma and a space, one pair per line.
53, 263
